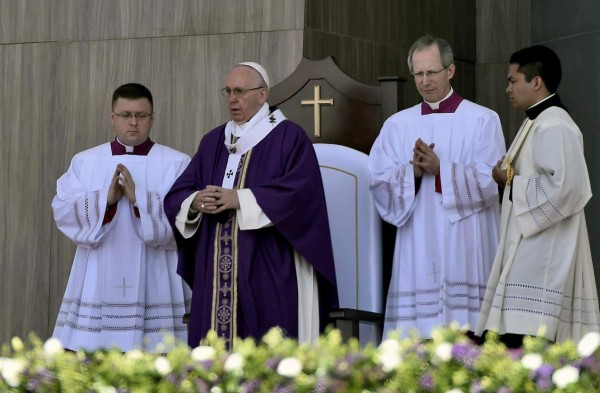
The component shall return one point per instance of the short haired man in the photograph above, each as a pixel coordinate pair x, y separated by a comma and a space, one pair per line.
431, 177
542, 282
123, 290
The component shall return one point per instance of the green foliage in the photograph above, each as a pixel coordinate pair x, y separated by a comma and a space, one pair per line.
448, 362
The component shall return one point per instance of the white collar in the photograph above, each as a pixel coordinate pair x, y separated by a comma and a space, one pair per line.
436, 105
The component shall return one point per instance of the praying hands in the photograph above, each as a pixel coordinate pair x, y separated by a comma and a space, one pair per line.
424, 159
121, 184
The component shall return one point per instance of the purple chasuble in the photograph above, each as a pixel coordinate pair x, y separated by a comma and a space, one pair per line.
244, 281
449, 105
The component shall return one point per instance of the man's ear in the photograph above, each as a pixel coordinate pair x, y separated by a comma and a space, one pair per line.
451, 70
264, 95
538, 83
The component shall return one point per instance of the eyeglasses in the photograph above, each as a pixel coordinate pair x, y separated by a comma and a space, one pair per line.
141, 116
226, 91
429, 74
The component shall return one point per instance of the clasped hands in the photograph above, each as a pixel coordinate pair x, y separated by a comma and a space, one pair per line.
215, 199
424, 159
121, 184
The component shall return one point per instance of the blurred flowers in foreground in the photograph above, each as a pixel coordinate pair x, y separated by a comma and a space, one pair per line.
447, 363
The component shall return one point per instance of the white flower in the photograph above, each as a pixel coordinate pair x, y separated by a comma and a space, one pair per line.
532, 361
216, 389
444, 351
234, 363
565, 376
162, 365
455, 390
52, 347
389, 345
134, 354
289, 367
203, 352
389, 360
588, 344
11, 370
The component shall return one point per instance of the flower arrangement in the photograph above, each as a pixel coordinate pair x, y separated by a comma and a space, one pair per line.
447, 363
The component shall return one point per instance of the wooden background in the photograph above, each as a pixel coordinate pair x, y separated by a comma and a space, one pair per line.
60, 61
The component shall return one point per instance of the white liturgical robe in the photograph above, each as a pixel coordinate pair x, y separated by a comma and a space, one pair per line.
123, 290
542, 282
445, 241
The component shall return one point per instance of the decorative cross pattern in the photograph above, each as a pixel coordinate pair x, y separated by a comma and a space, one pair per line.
434, 272
316, 102
123, 286
229, 174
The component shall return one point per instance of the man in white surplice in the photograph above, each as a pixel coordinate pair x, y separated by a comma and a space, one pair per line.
123, 290
431, 177
542, 282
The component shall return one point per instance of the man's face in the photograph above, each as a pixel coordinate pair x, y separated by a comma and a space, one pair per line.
132, 130
431, 79
520, 92
244, 106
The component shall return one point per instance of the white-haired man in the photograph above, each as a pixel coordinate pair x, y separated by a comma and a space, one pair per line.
251, 222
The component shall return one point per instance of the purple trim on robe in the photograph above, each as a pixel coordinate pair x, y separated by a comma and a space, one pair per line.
449, 105
283, 173
140, 150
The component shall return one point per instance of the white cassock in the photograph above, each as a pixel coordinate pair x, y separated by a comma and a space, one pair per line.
123, 290
543, 273
445, 242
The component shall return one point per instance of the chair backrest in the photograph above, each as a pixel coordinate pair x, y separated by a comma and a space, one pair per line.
355, 230
334, 108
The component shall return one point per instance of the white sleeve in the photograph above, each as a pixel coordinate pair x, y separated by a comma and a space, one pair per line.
250, 215
186, 226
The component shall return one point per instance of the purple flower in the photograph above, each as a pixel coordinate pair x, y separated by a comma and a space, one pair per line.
250, 386
272, 363
504, 389
591, 363
543, 372
321, 385
476, 387
426, 382
544, 383
466, 354
284, 389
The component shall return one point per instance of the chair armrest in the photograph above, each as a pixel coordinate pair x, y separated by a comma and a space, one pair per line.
347, 320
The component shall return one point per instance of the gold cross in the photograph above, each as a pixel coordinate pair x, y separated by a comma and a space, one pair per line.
317, 102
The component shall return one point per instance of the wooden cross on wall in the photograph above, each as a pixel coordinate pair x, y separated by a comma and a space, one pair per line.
316, 102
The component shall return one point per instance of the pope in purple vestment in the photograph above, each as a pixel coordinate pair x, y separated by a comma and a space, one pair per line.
245, 281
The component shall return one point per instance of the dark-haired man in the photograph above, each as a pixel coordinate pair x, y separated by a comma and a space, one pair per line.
542, 282
123, 290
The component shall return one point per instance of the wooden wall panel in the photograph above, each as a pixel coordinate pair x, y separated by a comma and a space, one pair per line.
371, 38
502, 28
109, 19
54, 102
26, 21
26, 114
